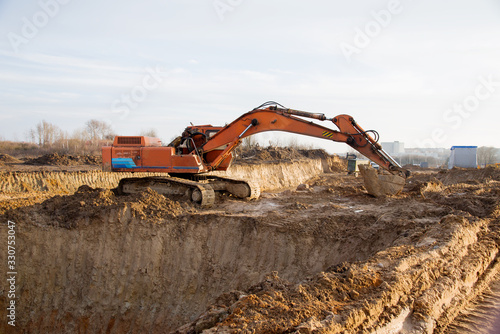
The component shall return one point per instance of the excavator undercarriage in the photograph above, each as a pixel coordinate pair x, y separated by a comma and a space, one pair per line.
201, 189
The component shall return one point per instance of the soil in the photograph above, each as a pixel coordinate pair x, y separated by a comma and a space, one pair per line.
86, 202
65, 160
271, 154
50, 162
316, 256
5, 158
436, 239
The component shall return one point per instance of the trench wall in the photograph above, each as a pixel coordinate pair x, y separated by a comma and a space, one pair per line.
115, 273
270, 176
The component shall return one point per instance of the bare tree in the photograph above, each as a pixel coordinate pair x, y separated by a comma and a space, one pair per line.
98, 130
44, 134
486, 155
31, 136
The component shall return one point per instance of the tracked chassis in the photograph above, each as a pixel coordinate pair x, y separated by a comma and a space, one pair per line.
201, 189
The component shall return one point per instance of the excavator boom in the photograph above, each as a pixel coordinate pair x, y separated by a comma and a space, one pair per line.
274, 118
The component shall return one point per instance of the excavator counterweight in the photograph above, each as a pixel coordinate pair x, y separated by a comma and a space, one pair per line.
205, 148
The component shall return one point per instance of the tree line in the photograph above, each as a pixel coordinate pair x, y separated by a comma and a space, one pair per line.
46, 137
87, 140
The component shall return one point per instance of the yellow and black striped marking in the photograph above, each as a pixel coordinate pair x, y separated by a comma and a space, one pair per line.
327, 134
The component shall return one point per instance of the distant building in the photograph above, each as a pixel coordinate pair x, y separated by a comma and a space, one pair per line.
394, 147
463, 156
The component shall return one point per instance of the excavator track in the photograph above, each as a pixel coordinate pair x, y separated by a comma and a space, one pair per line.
200, 193
239, 188
201, 189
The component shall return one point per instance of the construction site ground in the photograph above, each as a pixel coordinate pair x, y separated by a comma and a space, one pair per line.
315, 254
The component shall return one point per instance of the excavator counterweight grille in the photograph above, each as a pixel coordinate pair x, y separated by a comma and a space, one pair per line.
129, 140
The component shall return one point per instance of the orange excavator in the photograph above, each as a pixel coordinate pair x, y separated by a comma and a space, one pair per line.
189, 158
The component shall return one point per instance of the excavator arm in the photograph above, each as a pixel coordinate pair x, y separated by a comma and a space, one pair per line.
276, 118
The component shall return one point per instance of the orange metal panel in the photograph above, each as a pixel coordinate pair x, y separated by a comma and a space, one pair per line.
186, 164
127, 152
225, 164
106, 159
212, 155
156, 157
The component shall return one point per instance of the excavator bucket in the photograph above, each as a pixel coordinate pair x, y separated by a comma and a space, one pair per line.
381, 185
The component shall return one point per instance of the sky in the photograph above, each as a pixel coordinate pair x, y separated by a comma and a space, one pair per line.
425, 73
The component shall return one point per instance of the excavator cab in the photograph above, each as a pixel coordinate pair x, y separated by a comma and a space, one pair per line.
194, 137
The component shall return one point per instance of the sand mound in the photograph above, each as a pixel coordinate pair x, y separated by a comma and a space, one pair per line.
468, 175
66, 210
267, 154
5, 158
260, 155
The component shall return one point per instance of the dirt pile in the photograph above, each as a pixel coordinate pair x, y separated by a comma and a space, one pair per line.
469, 176
7, 159
286, 155
337, 164
86, 203
271, 154
8, 202
475, 192
65, 160
259, 154
314, 153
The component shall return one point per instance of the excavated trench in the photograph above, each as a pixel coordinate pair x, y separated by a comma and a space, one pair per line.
127, 274
92, 261
325, 258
